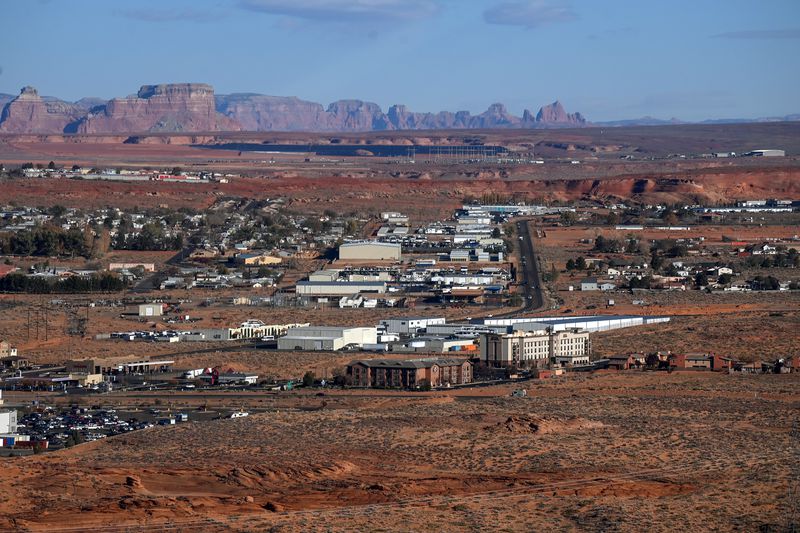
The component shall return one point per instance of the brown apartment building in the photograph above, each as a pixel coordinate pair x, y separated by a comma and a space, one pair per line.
412, 373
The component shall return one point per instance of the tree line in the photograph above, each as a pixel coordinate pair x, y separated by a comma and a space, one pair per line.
105, 282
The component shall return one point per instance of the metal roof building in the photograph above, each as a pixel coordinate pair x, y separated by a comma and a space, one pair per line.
588, 323
339, 288
370, 251
328, 338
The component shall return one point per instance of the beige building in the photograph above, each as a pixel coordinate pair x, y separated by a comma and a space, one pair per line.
146, 310
537, 349
369, 251
570, 347
6, 350
148, 267
257, 259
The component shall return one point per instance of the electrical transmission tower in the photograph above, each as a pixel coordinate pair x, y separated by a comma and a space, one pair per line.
40, 320
77, 320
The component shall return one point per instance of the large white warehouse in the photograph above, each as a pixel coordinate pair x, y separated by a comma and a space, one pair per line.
370, 251
339, 288
588, 323
328, 338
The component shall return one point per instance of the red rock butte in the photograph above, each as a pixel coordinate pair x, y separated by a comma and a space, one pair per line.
194, 108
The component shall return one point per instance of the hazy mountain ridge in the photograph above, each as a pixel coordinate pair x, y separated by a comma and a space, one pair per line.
193, 107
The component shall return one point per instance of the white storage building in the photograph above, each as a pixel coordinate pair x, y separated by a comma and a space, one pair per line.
767, 153
151, 309
8, 422
589, 323
370, 251
339, 288
407, 325
328, 338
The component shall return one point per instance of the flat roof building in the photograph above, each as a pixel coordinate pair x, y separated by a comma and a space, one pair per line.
146, 310
370, 251
410, 325
257, 259
114, 365
339, 288
536, 349
6, 350
8, 422
409, 374
588, 322
327, 338
767, 153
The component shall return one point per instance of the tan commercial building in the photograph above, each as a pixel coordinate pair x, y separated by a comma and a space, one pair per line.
257, 259
6, 350
570, 347
537, 349
148, 267
370, 251
146, 310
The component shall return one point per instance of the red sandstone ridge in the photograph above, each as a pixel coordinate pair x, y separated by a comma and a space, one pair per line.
258, 112
30, 113
182, 107
193, 108
553, 115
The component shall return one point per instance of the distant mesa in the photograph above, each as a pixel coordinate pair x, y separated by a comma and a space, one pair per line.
555, 114
181, 107
30, 113
194, 108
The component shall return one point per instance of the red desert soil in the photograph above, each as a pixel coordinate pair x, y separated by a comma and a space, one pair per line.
625, 452
407, 193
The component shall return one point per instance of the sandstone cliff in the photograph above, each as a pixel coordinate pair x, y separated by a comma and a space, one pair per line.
30, 113
180, 107
4, 99
193, 108
554, 114
258, 112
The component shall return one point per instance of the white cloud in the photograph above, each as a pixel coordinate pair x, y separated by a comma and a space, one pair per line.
169, 15
346, 10
790, 33
530, 14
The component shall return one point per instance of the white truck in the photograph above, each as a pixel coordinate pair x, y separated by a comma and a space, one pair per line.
190, 374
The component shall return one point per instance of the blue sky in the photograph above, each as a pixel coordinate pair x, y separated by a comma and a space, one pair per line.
609, 59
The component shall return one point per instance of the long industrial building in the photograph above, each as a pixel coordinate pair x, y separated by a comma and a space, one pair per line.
410, 325
339, 288
588, 323
370, 251
251, 329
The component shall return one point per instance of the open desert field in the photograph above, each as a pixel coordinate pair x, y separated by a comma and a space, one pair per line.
628, 452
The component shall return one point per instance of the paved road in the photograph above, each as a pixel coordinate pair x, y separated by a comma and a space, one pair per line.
527, 274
